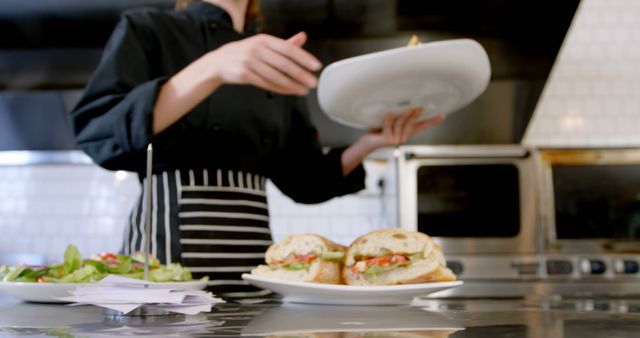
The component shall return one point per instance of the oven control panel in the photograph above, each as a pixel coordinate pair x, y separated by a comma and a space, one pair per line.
593, 267
545, 267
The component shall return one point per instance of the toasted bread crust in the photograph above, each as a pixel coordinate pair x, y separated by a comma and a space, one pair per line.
431, 268
300, 244
328, 273
440, 274
319, 272
395, 240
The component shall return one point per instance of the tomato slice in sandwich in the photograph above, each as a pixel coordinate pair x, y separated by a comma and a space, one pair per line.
386, 262
296, 262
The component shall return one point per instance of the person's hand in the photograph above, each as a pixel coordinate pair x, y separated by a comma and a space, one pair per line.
274, 64
268, 62
397, 130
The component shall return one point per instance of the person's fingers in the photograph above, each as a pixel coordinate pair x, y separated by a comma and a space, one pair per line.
278, 79
293, 52
298, 39
255, 75
399, 125
387, 127
407, 129
253, 78
290, 68
420, 126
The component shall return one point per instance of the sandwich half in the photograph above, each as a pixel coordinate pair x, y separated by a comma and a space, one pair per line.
304, 258
395, 256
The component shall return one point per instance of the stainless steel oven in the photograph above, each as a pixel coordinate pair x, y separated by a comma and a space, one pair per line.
590, 213
516, 221
471, 199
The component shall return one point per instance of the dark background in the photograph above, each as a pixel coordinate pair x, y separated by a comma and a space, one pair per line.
49, 48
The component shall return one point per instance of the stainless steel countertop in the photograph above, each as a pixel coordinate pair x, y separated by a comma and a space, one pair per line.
553, 318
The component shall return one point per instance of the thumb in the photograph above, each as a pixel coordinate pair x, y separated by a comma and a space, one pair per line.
298, 39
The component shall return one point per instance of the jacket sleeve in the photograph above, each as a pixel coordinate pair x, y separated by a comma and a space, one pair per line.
306, 174
112, 122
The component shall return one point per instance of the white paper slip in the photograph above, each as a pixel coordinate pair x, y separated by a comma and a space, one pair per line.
124, 281
125, 295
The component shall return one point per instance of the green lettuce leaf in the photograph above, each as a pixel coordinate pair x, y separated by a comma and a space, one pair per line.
126, 264
72, 259
333, 256
81, 275
13, 273
296, 266
170, 273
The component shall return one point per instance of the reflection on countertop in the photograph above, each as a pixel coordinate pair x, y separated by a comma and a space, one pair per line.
551, 317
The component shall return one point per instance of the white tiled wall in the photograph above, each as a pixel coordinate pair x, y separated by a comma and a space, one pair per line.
592, 97
341, 219
45, 207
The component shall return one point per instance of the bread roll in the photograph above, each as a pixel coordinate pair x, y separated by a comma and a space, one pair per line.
304, 258
395, 256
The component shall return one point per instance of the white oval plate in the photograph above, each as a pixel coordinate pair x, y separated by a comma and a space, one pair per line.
48, 292
441, 77
317, 293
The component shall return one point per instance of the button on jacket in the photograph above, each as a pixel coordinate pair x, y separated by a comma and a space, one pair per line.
240, 128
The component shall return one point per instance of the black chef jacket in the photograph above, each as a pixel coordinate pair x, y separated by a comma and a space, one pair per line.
237, 127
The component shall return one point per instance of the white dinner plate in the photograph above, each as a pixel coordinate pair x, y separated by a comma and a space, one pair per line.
48, 292
317, 293
441, 77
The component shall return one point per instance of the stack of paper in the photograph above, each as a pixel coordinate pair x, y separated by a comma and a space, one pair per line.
126, 294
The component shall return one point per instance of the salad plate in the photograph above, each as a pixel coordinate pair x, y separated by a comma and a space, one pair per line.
333, 294
46, 283
440, 77
49, 292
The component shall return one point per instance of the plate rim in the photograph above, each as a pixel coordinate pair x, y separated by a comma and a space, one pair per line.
391, 51
351, 288
195, 282
46, 292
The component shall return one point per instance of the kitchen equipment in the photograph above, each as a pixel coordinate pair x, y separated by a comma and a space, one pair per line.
590, 213
148, 195
472, 199
441, 77
148, 203
515, 221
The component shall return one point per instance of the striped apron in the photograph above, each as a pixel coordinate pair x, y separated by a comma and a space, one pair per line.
215, 222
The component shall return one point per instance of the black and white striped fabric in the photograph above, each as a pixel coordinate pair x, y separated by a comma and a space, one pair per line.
215, 222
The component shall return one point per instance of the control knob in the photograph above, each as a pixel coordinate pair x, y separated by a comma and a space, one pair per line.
593, 266
625, 266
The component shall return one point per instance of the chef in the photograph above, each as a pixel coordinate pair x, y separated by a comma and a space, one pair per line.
221, 107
